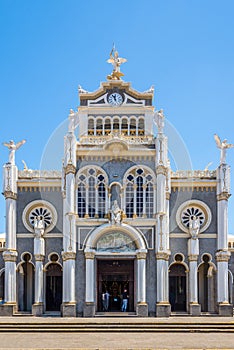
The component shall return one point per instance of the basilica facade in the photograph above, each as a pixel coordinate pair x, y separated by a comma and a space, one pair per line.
116, 217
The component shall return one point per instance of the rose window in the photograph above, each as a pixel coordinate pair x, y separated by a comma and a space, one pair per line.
191, 213
42, 214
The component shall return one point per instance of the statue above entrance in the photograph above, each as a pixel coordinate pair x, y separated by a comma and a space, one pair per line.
116, 213
116, 61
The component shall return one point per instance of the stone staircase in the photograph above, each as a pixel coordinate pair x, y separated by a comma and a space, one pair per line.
124, 324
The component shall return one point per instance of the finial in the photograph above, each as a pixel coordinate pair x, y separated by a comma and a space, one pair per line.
116, 61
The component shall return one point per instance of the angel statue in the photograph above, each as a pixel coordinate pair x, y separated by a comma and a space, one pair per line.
12, 148
194, 226
116, 61
223, 146
159, 119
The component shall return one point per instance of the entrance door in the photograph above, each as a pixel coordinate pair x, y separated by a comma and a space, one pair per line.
53, 287
177, 287
115, 276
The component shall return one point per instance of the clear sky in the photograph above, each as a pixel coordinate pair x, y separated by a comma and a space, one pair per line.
184, 48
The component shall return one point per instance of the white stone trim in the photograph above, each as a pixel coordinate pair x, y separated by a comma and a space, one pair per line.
190, 203
92, 238
35, 204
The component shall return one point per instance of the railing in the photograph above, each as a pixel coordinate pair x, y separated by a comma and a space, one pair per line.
134, 139
48, 174
196, 174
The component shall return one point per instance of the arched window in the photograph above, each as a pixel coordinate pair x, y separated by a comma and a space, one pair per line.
132, 126
107, 126
139, 192
90, 126
124, 126
141, 126
92, 192
116, 124
99, 126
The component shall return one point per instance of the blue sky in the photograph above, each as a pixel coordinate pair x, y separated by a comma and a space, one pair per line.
184, 48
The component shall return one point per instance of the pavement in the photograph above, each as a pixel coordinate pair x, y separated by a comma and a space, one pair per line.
219, 336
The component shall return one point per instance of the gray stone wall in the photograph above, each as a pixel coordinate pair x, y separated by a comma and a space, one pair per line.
24, 198
179, 197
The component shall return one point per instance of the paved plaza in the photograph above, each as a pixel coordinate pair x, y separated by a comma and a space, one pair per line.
221, 337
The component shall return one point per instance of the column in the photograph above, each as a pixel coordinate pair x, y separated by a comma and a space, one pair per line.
39, 255
223, 255
193, 253
142, 306
69, 227
163, 307
89, 309
10, 255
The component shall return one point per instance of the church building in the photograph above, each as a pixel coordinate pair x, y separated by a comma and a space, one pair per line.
116, 220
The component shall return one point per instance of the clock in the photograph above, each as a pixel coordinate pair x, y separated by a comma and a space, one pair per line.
115, 99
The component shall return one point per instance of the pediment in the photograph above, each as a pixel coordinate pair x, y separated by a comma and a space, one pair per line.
130, 97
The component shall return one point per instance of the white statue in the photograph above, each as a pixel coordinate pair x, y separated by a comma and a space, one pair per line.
194, 226
223, 146
39, 226
116, 61
12, 148
81, 90
116, 213
159, 119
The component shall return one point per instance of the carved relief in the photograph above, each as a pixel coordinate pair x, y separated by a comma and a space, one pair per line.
115, 242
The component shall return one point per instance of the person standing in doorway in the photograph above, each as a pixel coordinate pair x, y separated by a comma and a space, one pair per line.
124, 301
105, 301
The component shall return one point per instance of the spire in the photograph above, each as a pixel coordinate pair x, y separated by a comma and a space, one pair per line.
116, 61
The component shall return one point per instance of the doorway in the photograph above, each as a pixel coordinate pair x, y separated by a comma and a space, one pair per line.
115, 276
177, 287
53, 287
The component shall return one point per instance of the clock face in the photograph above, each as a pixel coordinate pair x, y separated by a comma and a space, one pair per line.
115, 99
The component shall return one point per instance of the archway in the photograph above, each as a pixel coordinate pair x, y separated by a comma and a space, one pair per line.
207, 284
26, 284
53, 287
115, 261
177, 287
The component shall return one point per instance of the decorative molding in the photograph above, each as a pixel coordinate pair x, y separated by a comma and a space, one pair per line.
223, 196
187, 235
201, 206
193, 257
33, 206
194, 174
68, 256
10, 256
89, 255
10, 195
44, 174
39, 257
161, 169
102, 139
162, 256
70, 169
141, 255
222, 256
168, 196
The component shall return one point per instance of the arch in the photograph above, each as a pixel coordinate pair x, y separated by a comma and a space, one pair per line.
207, 283
53, 286
92, 239
124, 125
178, 286
107, 125
25, 276
99, 126
141, 126
230, 287
91, 125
